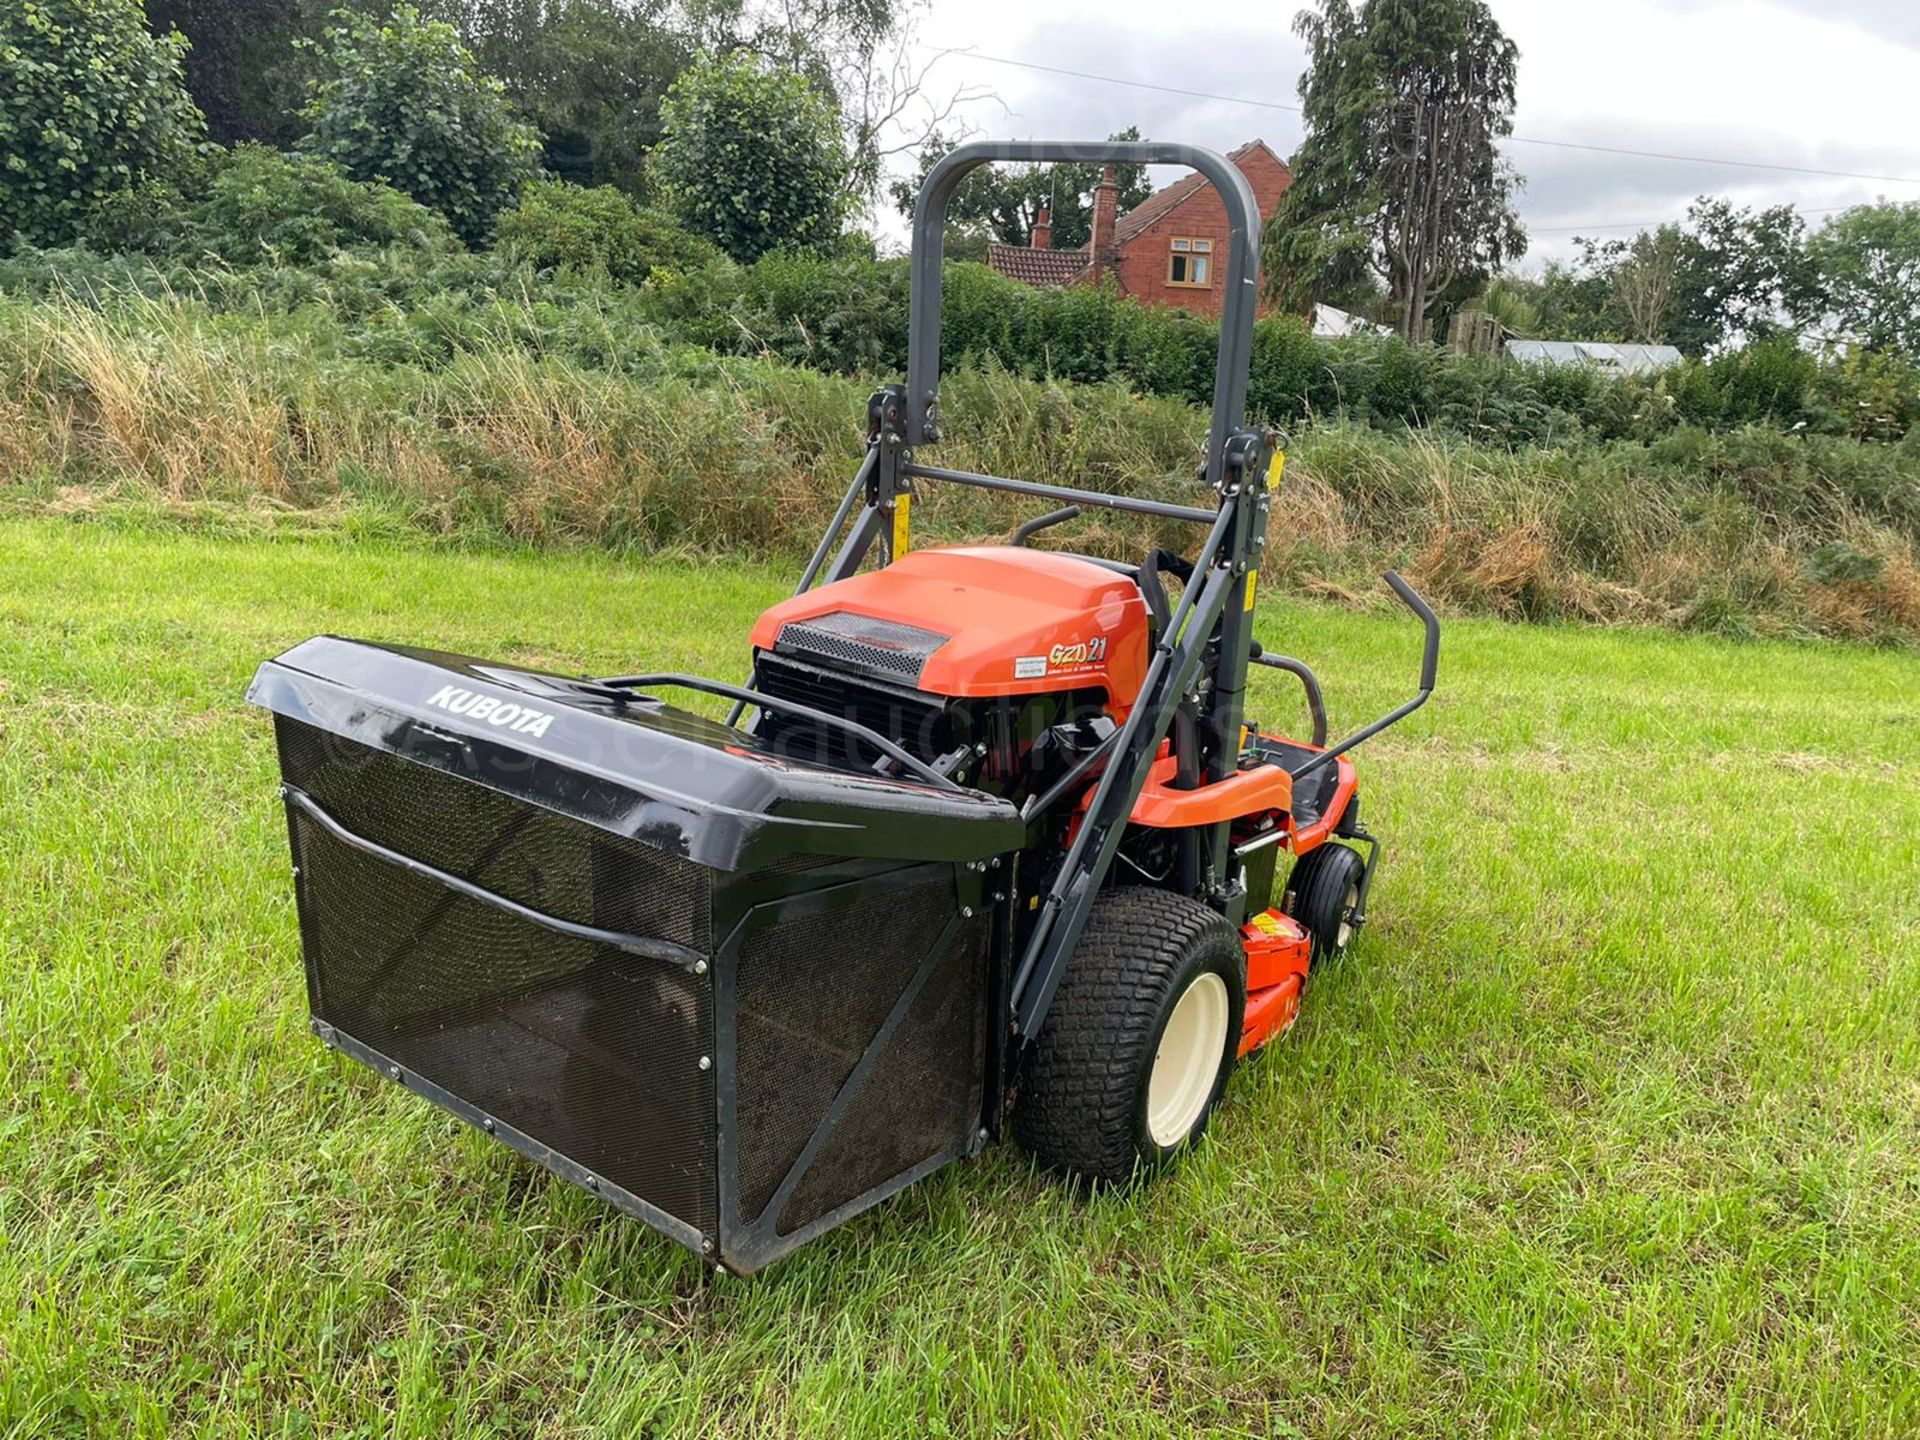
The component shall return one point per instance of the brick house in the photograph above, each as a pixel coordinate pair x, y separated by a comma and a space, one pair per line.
1170, 249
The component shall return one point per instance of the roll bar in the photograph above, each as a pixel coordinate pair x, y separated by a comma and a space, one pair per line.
920, 423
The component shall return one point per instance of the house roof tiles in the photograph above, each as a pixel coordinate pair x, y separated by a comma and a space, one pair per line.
1037, 267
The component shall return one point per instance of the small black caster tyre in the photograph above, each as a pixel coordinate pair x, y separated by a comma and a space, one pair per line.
1140, 1040
1322, 893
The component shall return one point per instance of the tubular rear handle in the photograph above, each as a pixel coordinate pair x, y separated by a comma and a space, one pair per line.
1429, 670
1410, 597
1043, 522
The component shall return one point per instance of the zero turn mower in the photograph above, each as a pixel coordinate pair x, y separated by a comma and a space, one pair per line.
987, 840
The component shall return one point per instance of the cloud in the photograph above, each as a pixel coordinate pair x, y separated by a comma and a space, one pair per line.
1823, 84
1897, 21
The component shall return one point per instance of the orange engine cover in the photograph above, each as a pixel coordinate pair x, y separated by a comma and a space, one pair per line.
1017, 621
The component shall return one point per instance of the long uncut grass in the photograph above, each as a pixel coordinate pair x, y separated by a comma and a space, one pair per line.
165, 402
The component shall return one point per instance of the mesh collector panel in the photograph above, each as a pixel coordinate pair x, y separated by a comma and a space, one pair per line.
584, 1047
813, 992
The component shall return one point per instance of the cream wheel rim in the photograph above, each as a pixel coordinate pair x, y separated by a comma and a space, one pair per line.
1347, 907
1188, 1061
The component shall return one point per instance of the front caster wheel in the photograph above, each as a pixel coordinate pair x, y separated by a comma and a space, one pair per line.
1140, 1039
1322, 894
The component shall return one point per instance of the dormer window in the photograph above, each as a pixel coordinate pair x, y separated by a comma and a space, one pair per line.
1190, 263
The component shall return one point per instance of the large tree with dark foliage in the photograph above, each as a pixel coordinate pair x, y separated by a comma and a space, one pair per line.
242, 67
1742, 275
1002, 202
589, 74
1400, 174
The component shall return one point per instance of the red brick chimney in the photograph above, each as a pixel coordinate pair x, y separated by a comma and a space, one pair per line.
1106, 208
1043, 227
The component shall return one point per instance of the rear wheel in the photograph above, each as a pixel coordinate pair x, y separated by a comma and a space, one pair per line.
1140, 1039
1322, 894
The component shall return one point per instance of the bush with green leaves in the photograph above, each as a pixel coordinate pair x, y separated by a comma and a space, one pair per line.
262, 206
752, 158
596, 232
91, 106
402, 102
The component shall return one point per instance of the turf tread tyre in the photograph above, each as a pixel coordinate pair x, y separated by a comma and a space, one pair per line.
1082, 1103
1319, 886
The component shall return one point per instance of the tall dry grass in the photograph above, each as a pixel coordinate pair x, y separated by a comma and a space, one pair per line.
170, 402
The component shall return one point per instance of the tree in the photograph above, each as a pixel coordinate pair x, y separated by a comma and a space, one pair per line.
860, 54
1644, 273
1570, 301
91, 106
1513, 305
1741, 275
589, 74
751, 158
1619, 290
1405, 103
1003, 202
404, 103
242, 68
1868, 261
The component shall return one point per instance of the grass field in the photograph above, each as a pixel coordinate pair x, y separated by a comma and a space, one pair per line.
1610, 1125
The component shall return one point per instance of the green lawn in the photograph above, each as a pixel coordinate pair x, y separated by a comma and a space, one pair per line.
1609, 1125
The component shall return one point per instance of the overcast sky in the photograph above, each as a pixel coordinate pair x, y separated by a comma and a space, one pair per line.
1824, 84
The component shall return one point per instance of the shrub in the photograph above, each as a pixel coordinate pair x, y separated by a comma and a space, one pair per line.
91, 106
598, 232
1876, 394
751, 158
403, 103
296, 209
839, 312
147, 219
1770, 380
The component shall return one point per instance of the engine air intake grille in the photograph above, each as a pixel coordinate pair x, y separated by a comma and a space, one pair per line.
862, 642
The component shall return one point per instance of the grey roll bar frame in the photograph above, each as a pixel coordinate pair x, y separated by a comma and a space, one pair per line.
1210, 629
921, 416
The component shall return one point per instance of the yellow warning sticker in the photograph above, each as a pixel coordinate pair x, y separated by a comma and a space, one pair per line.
902, 507
1253, 578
